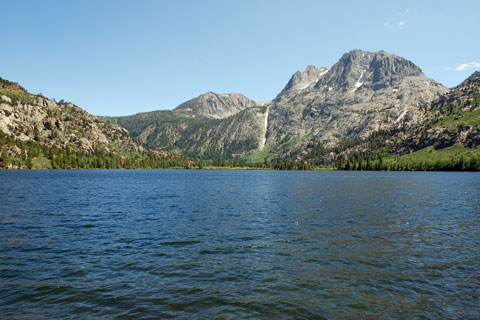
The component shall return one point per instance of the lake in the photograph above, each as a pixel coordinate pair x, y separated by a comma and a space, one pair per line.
239, 244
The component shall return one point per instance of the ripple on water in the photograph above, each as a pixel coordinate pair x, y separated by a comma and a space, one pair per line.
239, 244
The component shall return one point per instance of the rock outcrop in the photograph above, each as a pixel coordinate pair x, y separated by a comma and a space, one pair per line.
33, 117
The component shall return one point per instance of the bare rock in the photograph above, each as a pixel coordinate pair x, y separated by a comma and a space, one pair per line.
217, 106
6, 99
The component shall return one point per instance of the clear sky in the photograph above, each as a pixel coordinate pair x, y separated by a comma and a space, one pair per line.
120, 57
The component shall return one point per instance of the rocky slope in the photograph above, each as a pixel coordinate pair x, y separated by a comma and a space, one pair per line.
448, 137
362, 93
209, 126
39, 133
198, 136
453, 119
33, 117
217, 106
473, 76
229, 137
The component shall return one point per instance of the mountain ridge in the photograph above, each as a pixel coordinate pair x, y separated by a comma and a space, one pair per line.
363, 96
361, 93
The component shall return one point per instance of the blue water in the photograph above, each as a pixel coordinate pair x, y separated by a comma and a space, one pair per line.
239, 244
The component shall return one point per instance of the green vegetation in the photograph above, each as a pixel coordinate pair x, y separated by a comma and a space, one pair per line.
194, 135
218, 143
454, 158
469, 118
17, 96
292, 165
32, 155
467, 113
457, 157
18, 154
39, 162
259, 157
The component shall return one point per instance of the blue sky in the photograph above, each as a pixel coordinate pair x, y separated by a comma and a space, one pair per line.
119, 57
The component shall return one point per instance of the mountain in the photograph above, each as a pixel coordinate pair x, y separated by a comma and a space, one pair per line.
32, 122
369, 110
209, 126
362, 93
447, 138
473, 76
217, 106
453, 119
302, 80
34, 117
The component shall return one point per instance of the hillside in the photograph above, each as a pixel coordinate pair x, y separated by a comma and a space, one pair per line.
362, 93
209, 126
447, 138
32, 122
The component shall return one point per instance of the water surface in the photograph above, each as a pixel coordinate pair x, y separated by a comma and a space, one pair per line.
239, 244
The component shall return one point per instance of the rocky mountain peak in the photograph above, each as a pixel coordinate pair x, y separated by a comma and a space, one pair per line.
218, 106
303, 80
361, 93
473, 76
375, 70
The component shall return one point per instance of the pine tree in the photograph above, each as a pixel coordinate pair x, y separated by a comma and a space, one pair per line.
5, 159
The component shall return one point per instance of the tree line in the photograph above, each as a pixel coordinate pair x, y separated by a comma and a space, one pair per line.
369, 163
20, 154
